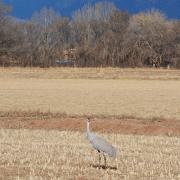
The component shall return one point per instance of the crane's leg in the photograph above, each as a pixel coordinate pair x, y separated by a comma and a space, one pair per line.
104, 160
99, 158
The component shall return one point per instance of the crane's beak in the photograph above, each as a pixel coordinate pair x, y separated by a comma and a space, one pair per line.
92, 120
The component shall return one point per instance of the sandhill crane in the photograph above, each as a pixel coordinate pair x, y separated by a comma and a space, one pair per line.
100, 144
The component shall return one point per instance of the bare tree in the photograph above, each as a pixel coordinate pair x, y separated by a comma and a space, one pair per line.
43, 22
147, 39
100, 11
6, 35
99, 35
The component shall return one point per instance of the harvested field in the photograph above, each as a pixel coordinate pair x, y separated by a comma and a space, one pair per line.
113, 97
42, 123
39, 154
90, 73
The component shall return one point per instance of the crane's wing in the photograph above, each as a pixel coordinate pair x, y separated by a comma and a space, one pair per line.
102, 145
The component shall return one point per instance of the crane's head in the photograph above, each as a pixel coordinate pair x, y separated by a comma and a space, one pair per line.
89, 119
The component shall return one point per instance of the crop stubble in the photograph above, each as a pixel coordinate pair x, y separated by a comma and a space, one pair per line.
52, 154
67, 155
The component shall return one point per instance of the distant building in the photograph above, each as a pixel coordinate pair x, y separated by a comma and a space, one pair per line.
68, 58
69, 54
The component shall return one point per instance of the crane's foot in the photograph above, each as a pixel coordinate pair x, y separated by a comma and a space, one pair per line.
99, 159
104, 167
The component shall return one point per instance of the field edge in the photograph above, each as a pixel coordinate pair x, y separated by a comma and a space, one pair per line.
106, 124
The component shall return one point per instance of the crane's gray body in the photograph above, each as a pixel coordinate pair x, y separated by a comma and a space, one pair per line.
100, 144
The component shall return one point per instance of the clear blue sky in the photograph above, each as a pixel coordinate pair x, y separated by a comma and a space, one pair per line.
24, 8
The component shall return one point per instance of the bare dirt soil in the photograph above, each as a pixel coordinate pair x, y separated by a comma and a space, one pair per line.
48, 121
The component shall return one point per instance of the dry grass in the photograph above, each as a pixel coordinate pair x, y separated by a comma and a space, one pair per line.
39, 154
128, 98
90, 73
67, 155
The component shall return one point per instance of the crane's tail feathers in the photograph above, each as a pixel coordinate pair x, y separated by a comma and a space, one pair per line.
113, 152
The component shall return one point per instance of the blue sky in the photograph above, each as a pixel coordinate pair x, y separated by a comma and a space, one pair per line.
24, 8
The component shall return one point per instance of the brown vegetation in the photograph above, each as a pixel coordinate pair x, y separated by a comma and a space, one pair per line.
39, 154
101, 35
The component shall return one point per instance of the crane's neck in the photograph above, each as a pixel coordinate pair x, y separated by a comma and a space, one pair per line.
88, 130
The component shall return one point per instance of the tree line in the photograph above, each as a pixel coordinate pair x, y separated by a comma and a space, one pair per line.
100, 35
